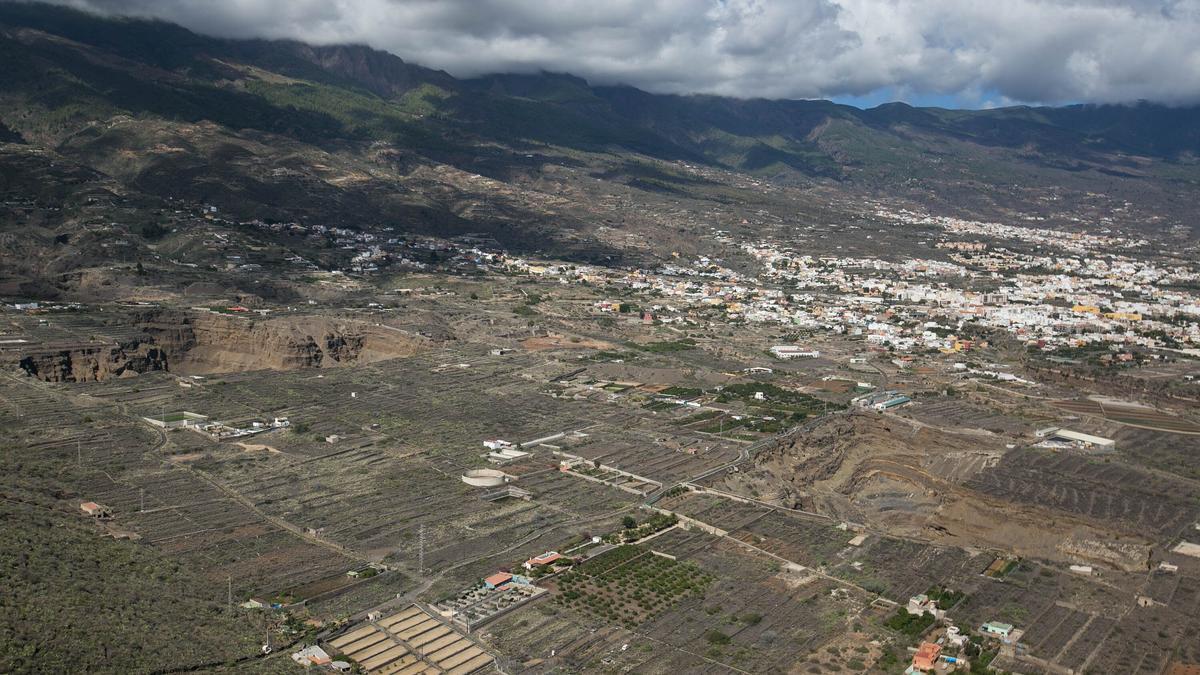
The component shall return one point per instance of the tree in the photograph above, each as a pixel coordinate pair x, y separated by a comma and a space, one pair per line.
628, 522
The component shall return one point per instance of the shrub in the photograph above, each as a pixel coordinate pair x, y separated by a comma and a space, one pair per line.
716, 637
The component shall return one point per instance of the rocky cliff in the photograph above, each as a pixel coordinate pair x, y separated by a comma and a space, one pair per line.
192, 343
92, 362
200, 343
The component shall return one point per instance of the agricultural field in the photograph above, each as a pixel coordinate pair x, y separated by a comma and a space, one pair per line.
1170, 452
967, 415
629, 585
1131, 415
1110, 492
710, 572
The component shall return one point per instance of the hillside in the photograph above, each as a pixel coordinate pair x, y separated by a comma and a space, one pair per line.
350, 136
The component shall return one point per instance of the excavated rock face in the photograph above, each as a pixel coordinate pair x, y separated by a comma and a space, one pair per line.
212, 343
204, 343
92, 363
916, 480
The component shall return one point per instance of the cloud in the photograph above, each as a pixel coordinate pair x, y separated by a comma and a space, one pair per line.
973, 51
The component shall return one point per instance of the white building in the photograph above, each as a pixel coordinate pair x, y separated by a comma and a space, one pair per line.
793, 352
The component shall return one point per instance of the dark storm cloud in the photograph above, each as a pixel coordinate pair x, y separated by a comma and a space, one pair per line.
978, 51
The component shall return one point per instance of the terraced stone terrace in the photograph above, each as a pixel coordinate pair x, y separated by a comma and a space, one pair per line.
967, 415
1120, 494
370, 468
118, 462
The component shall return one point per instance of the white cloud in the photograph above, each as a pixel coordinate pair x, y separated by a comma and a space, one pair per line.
1049, 51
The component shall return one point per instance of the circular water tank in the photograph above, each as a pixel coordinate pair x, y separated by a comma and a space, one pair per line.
485, 478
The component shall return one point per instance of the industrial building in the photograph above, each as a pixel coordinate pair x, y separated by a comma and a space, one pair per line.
883, 400
786, 352
1065, 439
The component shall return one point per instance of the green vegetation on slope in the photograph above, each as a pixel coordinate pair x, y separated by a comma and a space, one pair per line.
75, 601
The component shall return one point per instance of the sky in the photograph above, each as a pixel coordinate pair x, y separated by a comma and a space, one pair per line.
952, 53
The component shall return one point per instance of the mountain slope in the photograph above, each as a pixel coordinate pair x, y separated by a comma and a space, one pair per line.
345, 134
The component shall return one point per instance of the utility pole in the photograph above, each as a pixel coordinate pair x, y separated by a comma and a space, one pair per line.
79, 452
142, 495
229, 591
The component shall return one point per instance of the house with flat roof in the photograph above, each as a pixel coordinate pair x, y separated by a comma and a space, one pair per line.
996, 628
311, 656
923, 604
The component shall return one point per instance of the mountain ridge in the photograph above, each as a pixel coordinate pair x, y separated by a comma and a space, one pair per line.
354, 136
1136, 127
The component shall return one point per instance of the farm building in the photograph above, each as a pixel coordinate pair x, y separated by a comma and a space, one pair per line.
923, 604
883, 400
497, 580
996, 628
311, 656
792, 352
927, 656
1066, 439
543, 559
505, 455
96, 510
893, 402
410, 641
178, 420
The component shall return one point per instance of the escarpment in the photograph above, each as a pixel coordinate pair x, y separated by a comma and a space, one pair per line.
92, 362
202, 343
196, 343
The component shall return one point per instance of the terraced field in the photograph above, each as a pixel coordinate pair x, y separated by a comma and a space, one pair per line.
1108, 492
